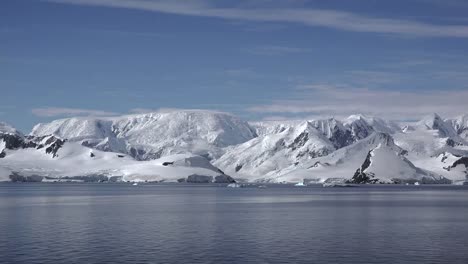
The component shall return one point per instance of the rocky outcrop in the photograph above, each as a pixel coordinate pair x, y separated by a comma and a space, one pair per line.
360, 176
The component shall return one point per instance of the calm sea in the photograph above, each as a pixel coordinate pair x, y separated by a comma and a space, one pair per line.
175, 223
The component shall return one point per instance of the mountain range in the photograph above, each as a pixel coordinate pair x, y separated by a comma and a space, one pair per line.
207, 146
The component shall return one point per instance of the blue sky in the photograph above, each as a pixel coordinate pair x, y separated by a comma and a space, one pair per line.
259, 59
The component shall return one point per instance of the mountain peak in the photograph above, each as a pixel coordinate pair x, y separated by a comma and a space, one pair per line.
8, 129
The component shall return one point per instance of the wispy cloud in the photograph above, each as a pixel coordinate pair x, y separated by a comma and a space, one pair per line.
59, 111
152, 110
335, 19
275, 50
332, 100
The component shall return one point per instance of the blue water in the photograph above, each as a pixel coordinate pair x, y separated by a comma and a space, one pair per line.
174, 223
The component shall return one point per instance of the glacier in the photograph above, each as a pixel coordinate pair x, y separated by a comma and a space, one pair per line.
209, 146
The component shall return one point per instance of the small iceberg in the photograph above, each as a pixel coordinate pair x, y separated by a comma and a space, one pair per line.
300, 184
416, 183
261, 186
135, 184
234, 185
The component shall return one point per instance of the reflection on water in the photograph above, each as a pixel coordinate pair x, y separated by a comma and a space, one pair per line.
166, 223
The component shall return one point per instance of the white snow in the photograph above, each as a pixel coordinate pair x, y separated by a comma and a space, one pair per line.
2, 145
75, 160
178, 144
154, 135
8, 129
280, 147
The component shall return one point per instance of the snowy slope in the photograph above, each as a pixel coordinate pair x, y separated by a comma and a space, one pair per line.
376, 155
428, 137
268, 155
74, 160
385, 165
193, 144
154, 135
460, 125
280, 146
8, 129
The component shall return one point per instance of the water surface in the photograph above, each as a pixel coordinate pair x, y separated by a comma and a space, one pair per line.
176, 223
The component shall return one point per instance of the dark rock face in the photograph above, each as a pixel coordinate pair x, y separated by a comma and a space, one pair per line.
463, 160
90, 178
299, 141
360, 176
313, 154
238, 167
13, 141
167, 163
194, 178
341, 138
15, 177
360, 130
55, 146
224, 179
16, 142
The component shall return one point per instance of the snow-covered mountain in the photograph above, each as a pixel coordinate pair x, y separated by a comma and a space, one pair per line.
48, 157
285, 145
460, 125
199, 146
154, 135
280, 146
375, 159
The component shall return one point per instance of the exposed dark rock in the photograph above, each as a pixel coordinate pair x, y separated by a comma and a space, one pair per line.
220, 171
2, 154
463, 160
452, 143
299, 141
92, 155
12, 141
16, 177
120, 156
194, 178
90, 178
313, 154
238, 167
167, 163
181, 180
55, 145
341, 138
224, 179
360, 176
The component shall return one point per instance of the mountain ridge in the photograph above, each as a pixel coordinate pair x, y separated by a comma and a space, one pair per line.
272, 151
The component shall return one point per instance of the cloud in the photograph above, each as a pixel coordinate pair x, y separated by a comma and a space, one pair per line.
58, 111
152, 110
318, 100
275, 50
340, 20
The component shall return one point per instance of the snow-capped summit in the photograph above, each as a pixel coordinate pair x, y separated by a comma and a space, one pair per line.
335, 131
202, 145
154, 135
362, 126
435, 122
460, 124
8, 129
281, 147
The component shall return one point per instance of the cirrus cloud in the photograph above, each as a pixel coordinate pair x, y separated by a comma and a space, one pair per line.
334, 19
63, 111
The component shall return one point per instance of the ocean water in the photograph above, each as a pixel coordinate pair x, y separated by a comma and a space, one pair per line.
177, 223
